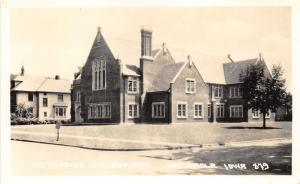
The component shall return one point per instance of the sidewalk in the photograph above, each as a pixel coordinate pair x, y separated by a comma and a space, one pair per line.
115, 144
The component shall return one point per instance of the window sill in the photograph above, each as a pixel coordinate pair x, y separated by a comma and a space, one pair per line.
132, 93
158, 117
198, 117
99, 89
133, 117
190, 93
181, 117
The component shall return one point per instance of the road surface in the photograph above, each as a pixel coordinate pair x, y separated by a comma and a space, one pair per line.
45, 159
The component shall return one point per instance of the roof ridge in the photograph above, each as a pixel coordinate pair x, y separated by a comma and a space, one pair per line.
241, 61
41, 84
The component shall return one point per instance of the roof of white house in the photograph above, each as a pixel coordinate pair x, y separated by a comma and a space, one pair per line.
41, 84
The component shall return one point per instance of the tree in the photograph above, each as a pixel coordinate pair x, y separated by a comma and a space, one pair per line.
23, 111
263, 91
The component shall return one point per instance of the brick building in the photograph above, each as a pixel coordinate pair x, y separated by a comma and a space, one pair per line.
47, 98
160, 90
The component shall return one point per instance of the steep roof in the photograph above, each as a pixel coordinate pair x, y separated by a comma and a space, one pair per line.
127, 51
232, 70
164, 77
41, 84
131, 70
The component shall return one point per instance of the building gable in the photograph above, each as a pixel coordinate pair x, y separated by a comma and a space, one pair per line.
188, 71
233, 70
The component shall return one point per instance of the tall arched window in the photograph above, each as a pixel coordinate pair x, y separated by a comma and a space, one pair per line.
99, 74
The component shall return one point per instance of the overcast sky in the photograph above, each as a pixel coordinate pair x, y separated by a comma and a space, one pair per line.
57, 41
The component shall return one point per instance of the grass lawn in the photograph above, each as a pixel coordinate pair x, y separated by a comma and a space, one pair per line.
187, 133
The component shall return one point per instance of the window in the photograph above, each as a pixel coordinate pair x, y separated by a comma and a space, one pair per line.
181, 110
235, 92
45, 114
209, 110
198, 110
133, 110
218, 91
99, 74
220, 110
190, 86
158, 109
268, 114
78, 96
60, 97
236, 111
60, 111
255, 114
30, 97
100, 111
45, 102
132, 85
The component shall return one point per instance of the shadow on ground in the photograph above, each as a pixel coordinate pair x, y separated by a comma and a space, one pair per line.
242, 127
279, 160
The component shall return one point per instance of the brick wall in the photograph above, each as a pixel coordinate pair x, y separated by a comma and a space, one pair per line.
179, 95
110, 94
130, 98
156, 97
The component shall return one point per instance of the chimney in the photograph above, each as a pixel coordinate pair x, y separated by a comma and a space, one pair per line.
229, 57
190, 60
164, 48
146, 37
57, 77
22, 71
260, 56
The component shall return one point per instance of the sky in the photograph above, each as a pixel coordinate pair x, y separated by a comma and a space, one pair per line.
55, 41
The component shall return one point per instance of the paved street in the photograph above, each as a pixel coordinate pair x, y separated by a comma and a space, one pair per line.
268, 157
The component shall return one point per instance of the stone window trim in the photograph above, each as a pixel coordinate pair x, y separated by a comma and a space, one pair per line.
209, 110
161, 111
99, 74
235, 92
221, 107
100, 110
219, 89
131, 112
255, 114
132, 85
190, 86
268, 116
198, 110
182, 110
236, 111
